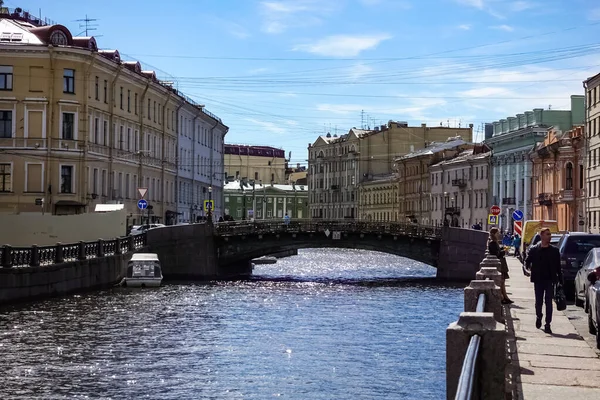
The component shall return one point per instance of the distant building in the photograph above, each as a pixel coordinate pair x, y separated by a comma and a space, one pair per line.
378, 199
296, 175
414, 182
338, 166
459, 189
558, 191
592, 120
513, 138
246, 200
259, 163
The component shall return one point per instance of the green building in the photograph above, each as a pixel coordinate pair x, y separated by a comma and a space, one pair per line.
250, 200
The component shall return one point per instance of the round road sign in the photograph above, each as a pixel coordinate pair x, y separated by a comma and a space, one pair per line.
495, 210
142, 204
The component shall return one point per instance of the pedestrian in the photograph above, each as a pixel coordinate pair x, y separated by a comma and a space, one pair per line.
495, 249
517, 245
286, 219
543, 260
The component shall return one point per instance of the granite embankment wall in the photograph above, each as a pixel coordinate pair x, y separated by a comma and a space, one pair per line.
461, 251
31, 283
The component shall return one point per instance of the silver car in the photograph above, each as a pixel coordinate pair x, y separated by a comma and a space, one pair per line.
594, 305
590, 263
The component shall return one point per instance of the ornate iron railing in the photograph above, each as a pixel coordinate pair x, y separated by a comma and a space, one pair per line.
237, 228
36, 256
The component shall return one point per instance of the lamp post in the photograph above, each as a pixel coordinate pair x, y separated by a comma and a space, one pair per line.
210, 202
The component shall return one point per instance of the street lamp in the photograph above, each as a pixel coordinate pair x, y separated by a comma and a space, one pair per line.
210, 202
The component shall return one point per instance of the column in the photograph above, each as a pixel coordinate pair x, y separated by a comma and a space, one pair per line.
526, 195
518, 184
501, 194
494, 180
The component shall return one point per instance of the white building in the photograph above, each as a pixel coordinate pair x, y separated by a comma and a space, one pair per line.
200, 170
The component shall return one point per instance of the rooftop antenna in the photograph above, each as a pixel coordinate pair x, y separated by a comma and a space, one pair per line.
86, 24
362, 119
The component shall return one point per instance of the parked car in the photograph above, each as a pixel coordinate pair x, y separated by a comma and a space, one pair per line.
594, 310
574, 247
137, 229
590, 263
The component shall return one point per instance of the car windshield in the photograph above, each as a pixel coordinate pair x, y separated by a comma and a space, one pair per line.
581, 244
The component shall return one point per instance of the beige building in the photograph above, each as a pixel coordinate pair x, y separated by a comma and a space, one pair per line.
338, 166
80, 127
459, 189
255, 163
592, 120
378, 199
414, 179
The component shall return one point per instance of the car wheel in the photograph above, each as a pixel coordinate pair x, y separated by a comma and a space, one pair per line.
591, 326
578, 301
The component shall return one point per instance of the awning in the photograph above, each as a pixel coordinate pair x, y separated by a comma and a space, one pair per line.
68, 203
109, 207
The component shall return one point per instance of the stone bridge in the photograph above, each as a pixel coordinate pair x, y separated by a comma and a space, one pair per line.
455, 252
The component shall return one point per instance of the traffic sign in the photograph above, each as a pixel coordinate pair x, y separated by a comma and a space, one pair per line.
209, 205
495, 210
518, 228
142, 192
492, 219
517, 215
142, 204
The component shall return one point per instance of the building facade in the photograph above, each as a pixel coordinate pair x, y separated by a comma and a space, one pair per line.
259, 163
339, 166
251, 200
459, 189
82, 127
378, 200
414, 180
512, 140
592, 161
200, 171
558, 191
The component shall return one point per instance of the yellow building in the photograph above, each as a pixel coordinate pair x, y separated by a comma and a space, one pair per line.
259, 163
379, 200
80, 126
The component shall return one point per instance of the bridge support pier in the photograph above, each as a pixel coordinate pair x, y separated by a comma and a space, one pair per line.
493, 297
491, 360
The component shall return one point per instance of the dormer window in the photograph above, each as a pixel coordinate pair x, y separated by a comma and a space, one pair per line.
58, 38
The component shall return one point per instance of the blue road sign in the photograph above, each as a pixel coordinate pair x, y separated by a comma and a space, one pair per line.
142, 204
517, 215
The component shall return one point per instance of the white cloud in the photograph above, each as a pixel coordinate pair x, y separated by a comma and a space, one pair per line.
279, 16
506, 28
233, 28
358, 71
269, 126
484, 92
518, 6
480, 4
465, 27
391, 3
343, 45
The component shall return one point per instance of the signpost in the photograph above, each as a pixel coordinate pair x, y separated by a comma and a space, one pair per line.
517, 215
495, 210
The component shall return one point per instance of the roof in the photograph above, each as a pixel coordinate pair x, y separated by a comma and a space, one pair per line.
258, 151
144, 257
434, 147
466, 155
17, 32
108, 207
236, 185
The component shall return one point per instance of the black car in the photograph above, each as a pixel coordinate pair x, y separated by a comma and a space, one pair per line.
574, 247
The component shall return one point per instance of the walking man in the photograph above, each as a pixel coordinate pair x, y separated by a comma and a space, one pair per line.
543, 260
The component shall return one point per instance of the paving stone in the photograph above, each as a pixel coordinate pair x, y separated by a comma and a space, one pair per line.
552, 392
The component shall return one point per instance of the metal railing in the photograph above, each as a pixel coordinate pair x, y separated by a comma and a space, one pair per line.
468, 375
36, 256
238, 228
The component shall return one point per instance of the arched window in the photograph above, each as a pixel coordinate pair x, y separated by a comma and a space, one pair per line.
569, 177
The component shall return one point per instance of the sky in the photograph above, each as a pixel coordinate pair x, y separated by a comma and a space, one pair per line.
283, 72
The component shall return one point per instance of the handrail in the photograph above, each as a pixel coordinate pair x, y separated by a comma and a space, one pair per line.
468, 372
466, 382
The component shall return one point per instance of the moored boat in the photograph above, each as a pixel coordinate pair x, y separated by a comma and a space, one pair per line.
143, 270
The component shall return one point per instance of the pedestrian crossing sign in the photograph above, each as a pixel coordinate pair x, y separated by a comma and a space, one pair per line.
492, 219
209, 205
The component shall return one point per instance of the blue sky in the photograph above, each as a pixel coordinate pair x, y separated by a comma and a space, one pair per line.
282, 72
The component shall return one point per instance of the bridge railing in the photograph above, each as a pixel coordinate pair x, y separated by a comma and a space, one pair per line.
36, 256
312, 225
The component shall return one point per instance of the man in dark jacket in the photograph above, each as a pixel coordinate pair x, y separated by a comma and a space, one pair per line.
543, 260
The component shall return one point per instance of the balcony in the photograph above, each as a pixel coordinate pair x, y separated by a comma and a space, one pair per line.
508, 201
461, 183
453, 210
545, 199
566, 195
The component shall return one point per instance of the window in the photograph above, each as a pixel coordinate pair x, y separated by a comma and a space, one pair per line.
149, 104
569, 177
129, 101
96, 130
5, 177
68, 126
66, 179
69, 81
581, 177
6, 77
5, 124
105, 134
97, 89
121, 98
105, 91
135, 101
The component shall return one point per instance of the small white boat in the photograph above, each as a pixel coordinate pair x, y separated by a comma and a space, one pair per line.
264, 260
143, 270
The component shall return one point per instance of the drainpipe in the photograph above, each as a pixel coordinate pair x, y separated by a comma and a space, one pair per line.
83, 178
212, 154
141, 151
111, 118
177, 159
163, 161
48, 194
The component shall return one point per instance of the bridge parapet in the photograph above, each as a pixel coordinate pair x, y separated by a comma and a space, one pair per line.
238, 228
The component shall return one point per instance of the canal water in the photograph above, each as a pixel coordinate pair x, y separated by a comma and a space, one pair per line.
326, 324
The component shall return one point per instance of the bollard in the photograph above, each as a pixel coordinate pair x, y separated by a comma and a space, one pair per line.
490, 273
490, 261
493, 297
60, 255
118, 246
100, 248
131, 243
34, 261
491, 363
81, 253
6, 256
